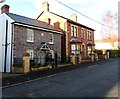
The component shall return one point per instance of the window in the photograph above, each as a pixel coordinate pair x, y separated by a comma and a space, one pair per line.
75, 49
89, 50
31, 53
51, 39
82, 33
30, 35
89, 35
74, 31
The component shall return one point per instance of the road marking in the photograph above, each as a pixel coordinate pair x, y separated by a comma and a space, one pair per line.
44, 77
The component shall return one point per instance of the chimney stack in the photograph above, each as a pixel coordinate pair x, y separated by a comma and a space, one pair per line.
5, 8
73, 17
45, 6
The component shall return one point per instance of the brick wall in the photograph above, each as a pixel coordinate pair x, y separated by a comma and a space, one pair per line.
21, 45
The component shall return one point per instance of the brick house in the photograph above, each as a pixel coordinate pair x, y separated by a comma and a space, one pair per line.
21, 35
76, 39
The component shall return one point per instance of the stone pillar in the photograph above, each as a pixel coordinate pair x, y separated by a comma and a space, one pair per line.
80, 58
96, 56
26, 64
73, 59
92, 57
108, 55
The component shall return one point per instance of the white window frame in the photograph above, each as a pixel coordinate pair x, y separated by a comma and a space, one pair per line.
83, 33
30, 35
51, 42
74, 31
75, 49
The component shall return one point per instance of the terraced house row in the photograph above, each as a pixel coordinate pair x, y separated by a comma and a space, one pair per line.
47, 34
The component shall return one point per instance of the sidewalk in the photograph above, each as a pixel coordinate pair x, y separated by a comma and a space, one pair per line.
9, 79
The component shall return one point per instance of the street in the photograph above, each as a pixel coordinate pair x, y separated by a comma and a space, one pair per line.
100, 80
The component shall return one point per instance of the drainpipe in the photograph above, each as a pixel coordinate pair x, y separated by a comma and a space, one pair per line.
6, 46
11, 63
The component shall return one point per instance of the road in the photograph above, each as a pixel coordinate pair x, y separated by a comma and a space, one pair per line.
100, 80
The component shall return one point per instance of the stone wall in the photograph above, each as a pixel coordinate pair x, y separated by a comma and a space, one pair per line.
21, 45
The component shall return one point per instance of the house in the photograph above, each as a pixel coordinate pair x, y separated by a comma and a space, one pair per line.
21, 35
76, 39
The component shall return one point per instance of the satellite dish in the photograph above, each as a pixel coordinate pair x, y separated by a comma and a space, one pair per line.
1, 1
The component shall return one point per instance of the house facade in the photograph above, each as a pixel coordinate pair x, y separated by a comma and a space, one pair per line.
76, 39
21, 35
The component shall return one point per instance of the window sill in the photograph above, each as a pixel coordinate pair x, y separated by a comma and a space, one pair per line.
51, 43
30, 41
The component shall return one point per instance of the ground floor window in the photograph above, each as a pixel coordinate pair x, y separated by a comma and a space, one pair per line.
75, 49
31, 53
89, 50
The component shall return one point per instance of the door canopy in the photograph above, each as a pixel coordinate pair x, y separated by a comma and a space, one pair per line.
43, 47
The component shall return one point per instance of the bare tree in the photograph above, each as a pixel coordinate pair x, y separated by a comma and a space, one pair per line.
110, 27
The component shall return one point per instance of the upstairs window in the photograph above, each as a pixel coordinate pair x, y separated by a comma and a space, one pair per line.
89, 35
51, 38
74, 31
30, 35
82, 33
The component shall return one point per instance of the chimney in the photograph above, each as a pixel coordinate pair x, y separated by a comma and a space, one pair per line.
73, 17
45, 6
57, 25
5, 8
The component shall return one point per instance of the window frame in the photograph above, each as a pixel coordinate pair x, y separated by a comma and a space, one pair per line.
51, 42
31, 53
30, 35
76, 49
74, 31
82, 33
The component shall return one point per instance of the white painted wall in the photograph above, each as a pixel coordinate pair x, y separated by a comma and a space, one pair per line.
3, 18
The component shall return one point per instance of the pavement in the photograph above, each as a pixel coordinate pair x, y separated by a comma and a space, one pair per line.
98, 79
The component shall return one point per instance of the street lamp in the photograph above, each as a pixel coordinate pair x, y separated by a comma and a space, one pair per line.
1, 1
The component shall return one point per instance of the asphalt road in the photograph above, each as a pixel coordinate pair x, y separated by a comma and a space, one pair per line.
100, 80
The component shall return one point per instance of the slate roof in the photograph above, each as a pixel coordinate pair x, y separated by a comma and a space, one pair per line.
90, 44
31, 22
75, 41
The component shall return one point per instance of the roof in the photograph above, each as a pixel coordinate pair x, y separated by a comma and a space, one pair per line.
75, 41
31, 22
69, 20
90, 44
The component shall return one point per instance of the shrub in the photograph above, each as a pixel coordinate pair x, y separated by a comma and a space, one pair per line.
114, 53
99, 52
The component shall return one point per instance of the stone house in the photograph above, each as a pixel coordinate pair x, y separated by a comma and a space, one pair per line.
76, 39
21, 35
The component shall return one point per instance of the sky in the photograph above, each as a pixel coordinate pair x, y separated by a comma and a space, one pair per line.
94, 9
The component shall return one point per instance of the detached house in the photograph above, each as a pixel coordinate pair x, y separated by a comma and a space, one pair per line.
76, 39
21, 35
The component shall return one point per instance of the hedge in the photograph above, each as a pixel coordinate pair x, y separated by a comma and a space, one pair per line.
114, 53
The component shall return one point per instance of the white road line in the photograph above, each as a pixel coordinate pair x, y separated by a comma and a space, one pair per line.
43, 77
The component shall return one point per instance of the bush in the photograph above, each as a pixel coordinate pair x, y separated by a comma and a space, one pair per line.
99, 52
114, 53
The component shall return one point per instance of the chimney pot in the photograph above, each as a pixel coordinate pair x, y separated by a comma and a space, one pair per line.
45, 6
5, 9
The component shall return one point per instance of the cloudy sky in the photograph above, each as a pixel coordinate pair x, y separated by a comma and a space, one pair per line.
94, 9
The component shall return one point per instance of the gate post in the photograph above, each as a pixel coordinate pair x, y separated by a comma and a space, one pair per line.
26, 63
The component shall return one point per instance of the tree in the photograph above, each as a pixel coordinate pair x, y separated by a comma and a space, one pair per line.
110, 27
